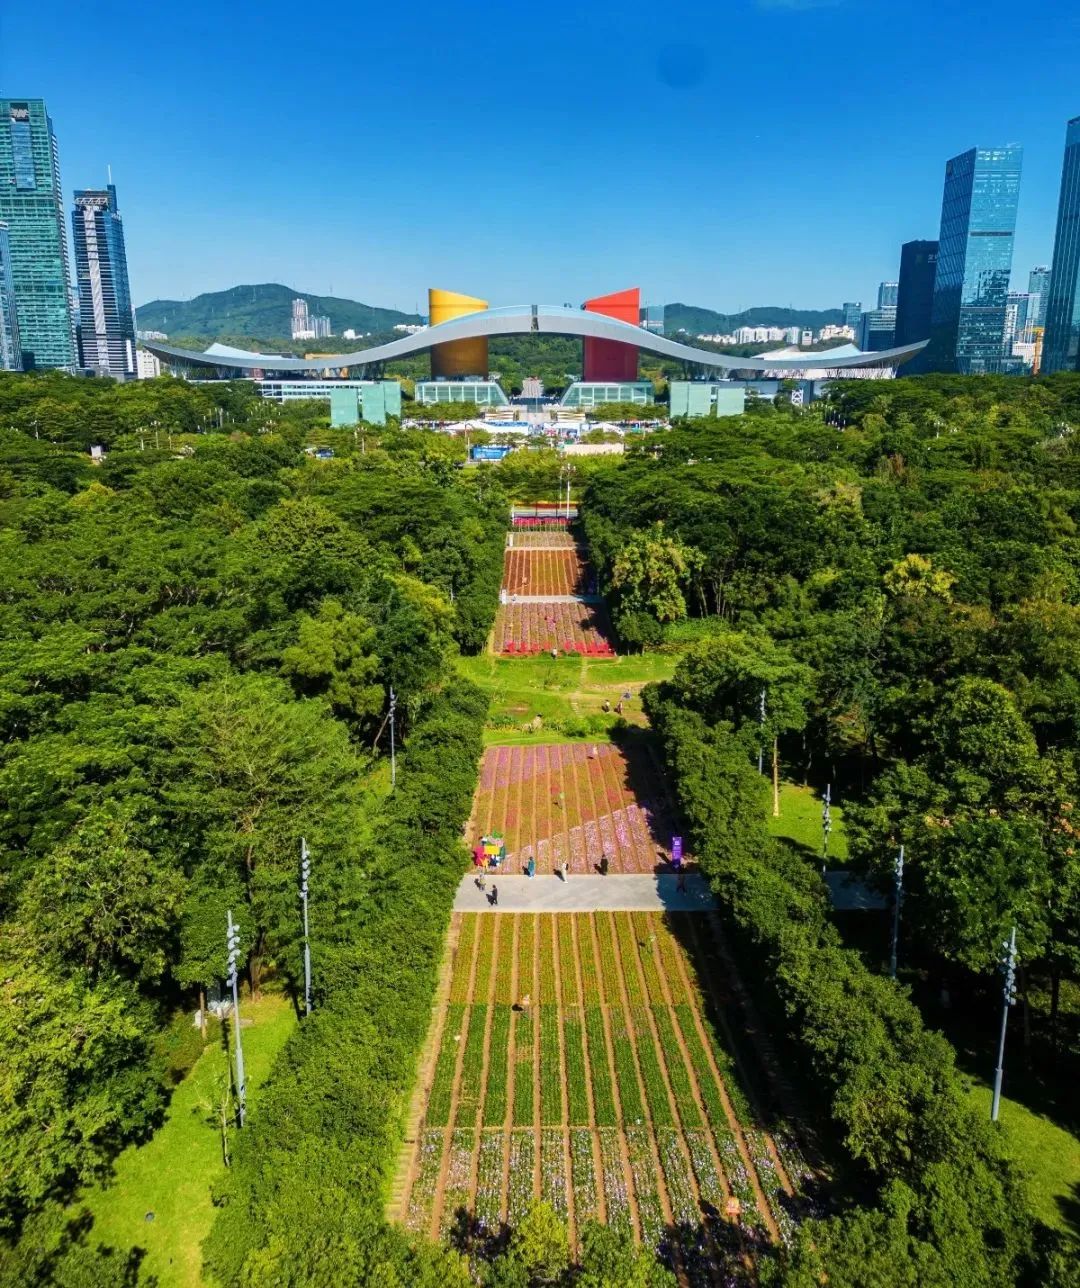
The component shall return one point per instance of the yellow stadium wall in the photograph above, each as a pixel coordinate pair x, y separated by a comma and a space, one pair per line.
456, 357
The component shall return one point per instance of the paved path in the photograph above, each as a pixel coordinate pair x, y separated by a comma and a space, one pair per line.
615, 893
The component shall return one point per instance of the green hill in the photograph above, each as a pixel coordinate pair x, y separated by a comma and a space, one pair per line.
698, 321
262, 310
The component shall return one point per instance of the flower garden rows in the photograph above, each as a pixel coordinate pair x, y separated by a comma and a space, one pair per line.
574, 803
568, 626
561, 540
578, 1063
544, 572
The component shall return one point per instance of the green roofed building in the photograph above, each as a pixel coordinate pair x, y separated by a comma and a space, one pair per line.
706, 398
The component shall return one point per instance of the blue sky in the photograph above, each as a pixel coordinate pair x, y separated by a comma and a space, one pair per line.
723, 153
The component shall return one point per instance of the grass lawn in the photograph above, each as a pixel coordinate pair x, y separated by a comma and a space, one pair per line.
800, 821
1048, 1154
559, 690
171, 1174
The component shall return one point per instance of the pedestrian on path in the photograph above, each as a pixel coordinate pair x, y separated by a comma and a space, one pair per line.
603, 865
680, 885
564, 871
481, 881
493, 898
531, 867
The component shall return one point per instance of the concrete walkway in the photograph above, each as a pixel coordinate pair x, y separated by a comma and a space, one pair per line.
620, 892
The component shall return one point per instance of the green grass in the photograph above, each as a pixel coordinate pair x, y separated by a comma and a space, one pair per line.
800, 821
171, 1174
560, 690
1048, 1154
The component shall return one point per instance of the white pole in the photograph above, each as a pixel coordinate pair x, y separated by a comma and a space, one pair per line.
232, 940
305, 872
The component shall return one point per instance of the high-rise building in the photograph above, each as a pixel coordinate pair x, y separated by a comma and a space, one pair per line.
852, 310
321, 325
31, 204
10, 347
302, 328
877, 329
1061, 343
971, 284
886, 294
1038, 295
1017, 305
106, 330
915, 291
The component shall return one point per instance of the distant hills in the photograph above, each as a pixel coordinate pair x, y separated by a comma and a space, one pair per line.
697, 321
264, 311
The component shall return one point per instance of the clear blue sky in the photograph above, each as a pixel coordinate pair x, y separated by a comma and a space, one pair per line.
725, 154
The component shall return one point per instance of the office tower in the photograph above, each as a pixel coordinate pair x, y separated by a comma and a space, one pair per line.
975, 246
1061, 342
877, 329
106, 329
1017, 305
320, 324
915, 291
886, 295
852, 311
32, 207
1039, 295
10, 347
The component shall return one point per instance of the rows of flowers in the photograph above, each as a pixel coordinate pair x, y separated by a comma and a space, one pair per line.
457, 1193
652, 1073
679, 1079
470, 1083
672, 959
497, 1072
583, 1176
442, 1085
776, 1196
710, 1184
590, 980
615, 1190
553, 1170
551, 1080
633, 1111
604, 1111
428, 1167
568, 975
543, 572
646, 928
540, 627
487, 1206
549, 984
646, 1189
522, 1168
561, 540
627, 941
577, 1072
738, 1176
678, 1180
463, 955
523, 1069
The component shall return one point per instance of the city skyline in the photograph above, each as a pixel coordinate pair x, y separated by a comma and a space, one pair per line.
795, 226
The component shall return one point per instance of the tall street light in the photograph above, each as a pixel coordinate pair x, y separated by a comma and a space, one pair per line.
1007, 966
761, 735
393, 750
232, 941
826, 824
898, 895
305, 872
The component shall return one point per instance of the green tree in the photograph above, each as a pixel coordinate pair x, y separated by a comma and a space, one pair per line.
650, 571
334, 655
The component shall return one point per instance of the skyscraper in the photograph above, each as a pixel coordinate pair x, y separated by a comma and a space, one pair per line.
10, 347
1038, 295
302, 328
31, 205
915, 291
106, 322
886, 295
852, 310
1061, 343
971, 284
877, 329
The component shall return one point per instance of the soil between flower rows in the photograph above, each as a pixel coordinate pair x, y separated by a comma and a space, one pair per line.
557, 571
586, 1059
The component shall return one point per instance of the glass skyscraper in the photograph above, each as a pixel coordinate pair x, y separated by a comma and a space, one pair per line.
106, 321
1061, 342
31, 204
886, 294
915, 293
1038, 295
10, 347
974, 263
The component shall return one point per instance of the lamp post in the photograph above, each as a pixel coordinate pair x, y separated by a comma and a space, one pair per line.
761, 735
305, 872
826, 824
1007, 966
232, 941
393, 749
898, 895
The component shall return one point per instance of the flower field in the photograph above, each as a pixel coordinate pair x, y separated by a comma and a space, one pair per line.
591, 1063
574, 803
561, 540
544, 572
568, 626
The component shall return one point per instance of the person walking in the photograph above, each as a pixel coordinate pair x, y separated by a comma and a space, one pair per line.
493, 898
481, 881
564, 871
531, 867
603, 865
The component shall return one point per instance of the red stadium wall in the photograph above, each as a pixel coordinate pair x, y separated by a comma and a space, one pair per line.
609, 359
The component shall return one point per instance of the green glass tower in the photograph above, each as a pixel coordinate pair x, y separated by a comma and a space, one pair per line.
1061, 345
31, 205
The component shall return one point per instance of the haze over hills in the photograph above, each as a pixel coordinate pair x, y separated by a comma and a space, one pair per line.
265, 310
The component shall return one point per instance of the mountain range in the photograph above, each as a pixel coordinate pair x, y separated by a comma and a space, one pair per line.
264, 311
